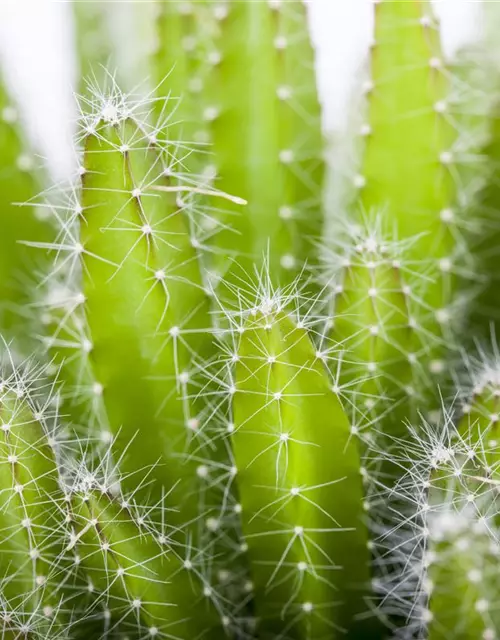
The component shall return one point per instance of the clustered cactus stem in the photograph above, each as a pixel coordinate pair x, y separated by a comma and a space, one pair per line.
244, 415
397, 267
448, 506
253, 94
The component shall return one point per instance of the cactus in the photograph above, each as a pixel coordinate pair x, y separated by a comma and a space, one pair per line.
92, 39
374, 322
231, 430
397, 268
105, 43
19, 177
409, 136
53, 526
448, 521
134, 267
253, 81
35, 572
145, 584
301, 512
485, 315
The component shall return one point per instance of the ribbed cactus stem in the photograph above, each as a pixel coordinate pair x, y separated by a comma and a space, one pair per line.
183, 31
409, 173
484, 314
480, 411
66, 337
373, 323
256, 84
145, 301
32, 529
299, 483
467, 549
149, 590
138, 330
92, 38
406, 169
445, 535
462, 553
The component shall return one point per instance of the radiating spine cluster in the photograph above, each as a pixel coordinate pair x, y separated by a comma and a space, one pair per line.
76, 552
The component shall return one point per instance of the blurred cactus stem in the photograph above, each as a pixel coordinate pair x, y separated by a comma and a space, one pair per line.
19, 184
263, 128
409, 174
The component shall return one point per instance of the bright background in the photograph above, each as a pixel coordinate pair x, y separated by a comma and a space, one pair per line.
36, 48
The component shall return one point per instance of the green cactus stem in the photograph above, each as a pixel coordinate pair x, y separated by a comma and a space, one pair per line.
485, 314
148, 589
444, 536
35, 577
467, 548
463, 553
18, 184
463, 547
480, 410
141, 307
179, 66
409, 173
299, 484
144, 300
92, 40
261, 117
373, 324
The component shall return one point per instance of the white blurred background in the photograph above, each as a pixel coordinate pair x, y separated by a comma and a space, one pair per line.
39, 63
